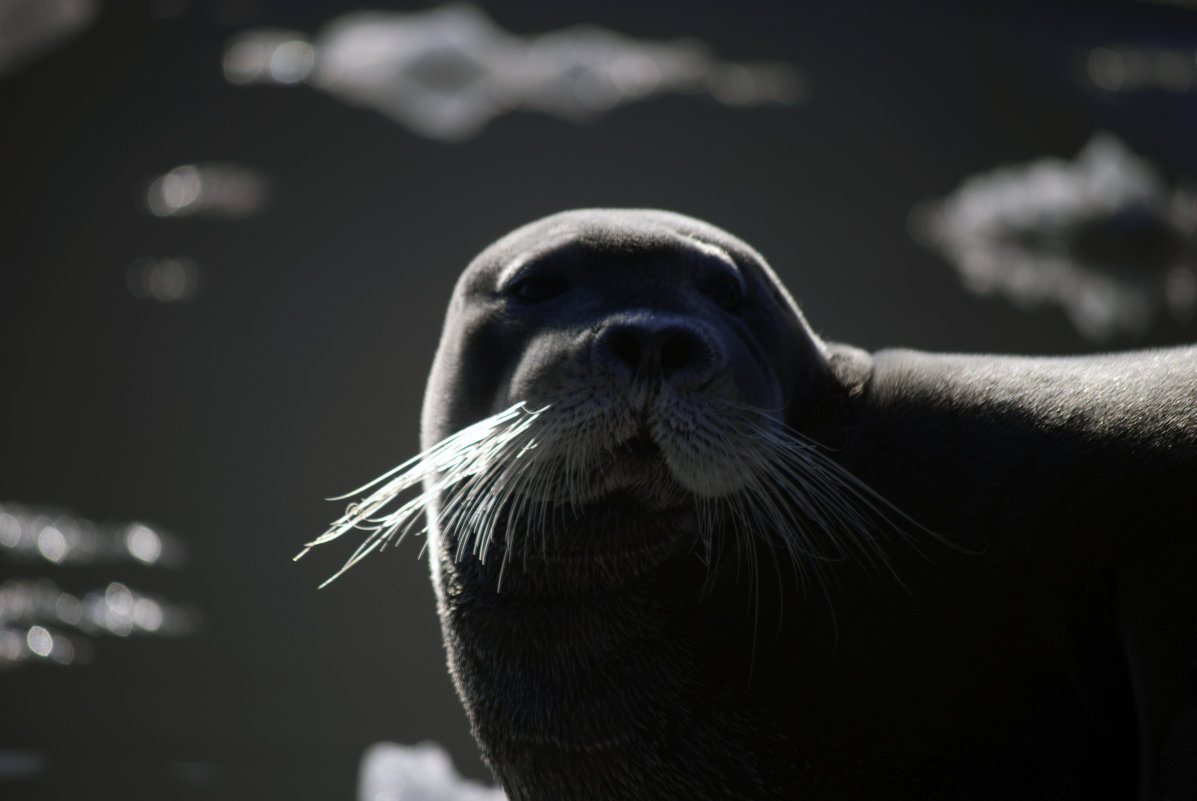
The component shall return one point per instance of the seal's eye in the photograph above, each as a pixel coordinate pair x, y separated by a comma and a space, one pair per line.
537, 288
725, 290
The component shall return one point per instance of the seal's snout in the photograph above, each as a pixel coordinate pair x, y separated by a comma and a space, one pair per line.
651, 349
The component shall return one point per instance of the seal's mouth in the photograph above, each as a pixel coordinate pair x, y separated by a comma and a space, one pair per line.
637, 468
638, 455
641, 447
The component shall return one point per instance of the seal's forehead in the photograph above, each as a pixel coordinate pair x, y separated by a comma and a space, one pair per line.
614, 231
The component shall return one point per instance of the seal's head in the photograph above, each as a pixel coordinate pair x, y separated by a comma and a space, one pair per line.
617, 318
621, 417
663, 351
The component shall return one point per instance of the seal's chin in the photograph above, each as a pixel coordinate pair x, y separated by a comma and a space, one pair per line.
609, 540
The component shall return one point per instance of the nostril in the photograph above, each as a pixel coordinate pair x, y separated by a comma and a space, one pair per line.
651, 350
626, 346
679, 350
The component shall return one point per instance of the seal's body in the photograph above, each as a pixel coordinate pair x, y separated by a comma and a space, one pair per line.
983, 585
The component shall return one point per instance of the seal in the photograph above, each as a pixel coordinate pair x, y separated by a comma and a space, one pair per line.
685, 548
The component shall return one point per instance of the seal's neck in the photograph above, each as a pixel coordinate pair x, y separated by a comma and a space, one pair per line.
826, 409
595, 695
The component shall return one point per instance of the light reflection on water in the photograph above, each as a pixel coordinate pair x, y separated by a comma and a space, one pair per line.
38, 620
170, 280
41, 622
1120, 68
215, 190
60, 538
1102, 236
221, 190
446, 72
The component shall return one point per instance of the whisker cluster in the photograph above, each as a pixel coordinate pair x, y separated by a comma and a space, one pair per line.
488, 449
770, 488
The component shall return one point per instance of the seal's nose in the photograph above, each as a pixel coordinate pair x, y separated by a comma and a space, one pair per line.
650, 348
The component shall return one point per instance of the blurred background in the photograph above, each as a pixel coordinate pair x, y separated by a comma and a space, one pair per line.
230, 229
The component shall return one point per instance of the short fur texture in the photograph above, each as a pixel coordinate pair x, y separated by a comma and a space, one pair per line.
638, 628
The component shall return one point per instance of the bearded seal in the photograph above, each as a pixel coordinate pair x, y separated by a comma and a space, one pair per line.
684, 548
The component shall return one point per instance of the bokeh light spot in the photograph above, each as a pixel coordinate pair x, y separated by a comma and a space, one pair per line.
292, 61
39, 641
143, 544
10, 530
171, 280
148, 614
51, 544
118, 598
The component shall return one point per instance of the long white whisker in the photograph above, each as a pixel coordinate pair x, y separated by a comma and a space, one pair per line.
478, 458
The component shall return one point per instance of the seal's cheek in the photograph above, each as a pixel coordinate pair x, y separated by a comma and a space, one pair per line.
552, 368
755, 370
474, 361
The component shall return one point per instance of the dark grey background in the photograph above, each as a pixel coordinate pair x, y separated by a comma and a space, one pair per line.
297, 371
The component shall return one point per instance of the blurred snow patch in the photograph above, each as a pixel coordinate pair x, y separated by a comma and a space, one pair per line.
1102, 236
422, 772
445, 73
